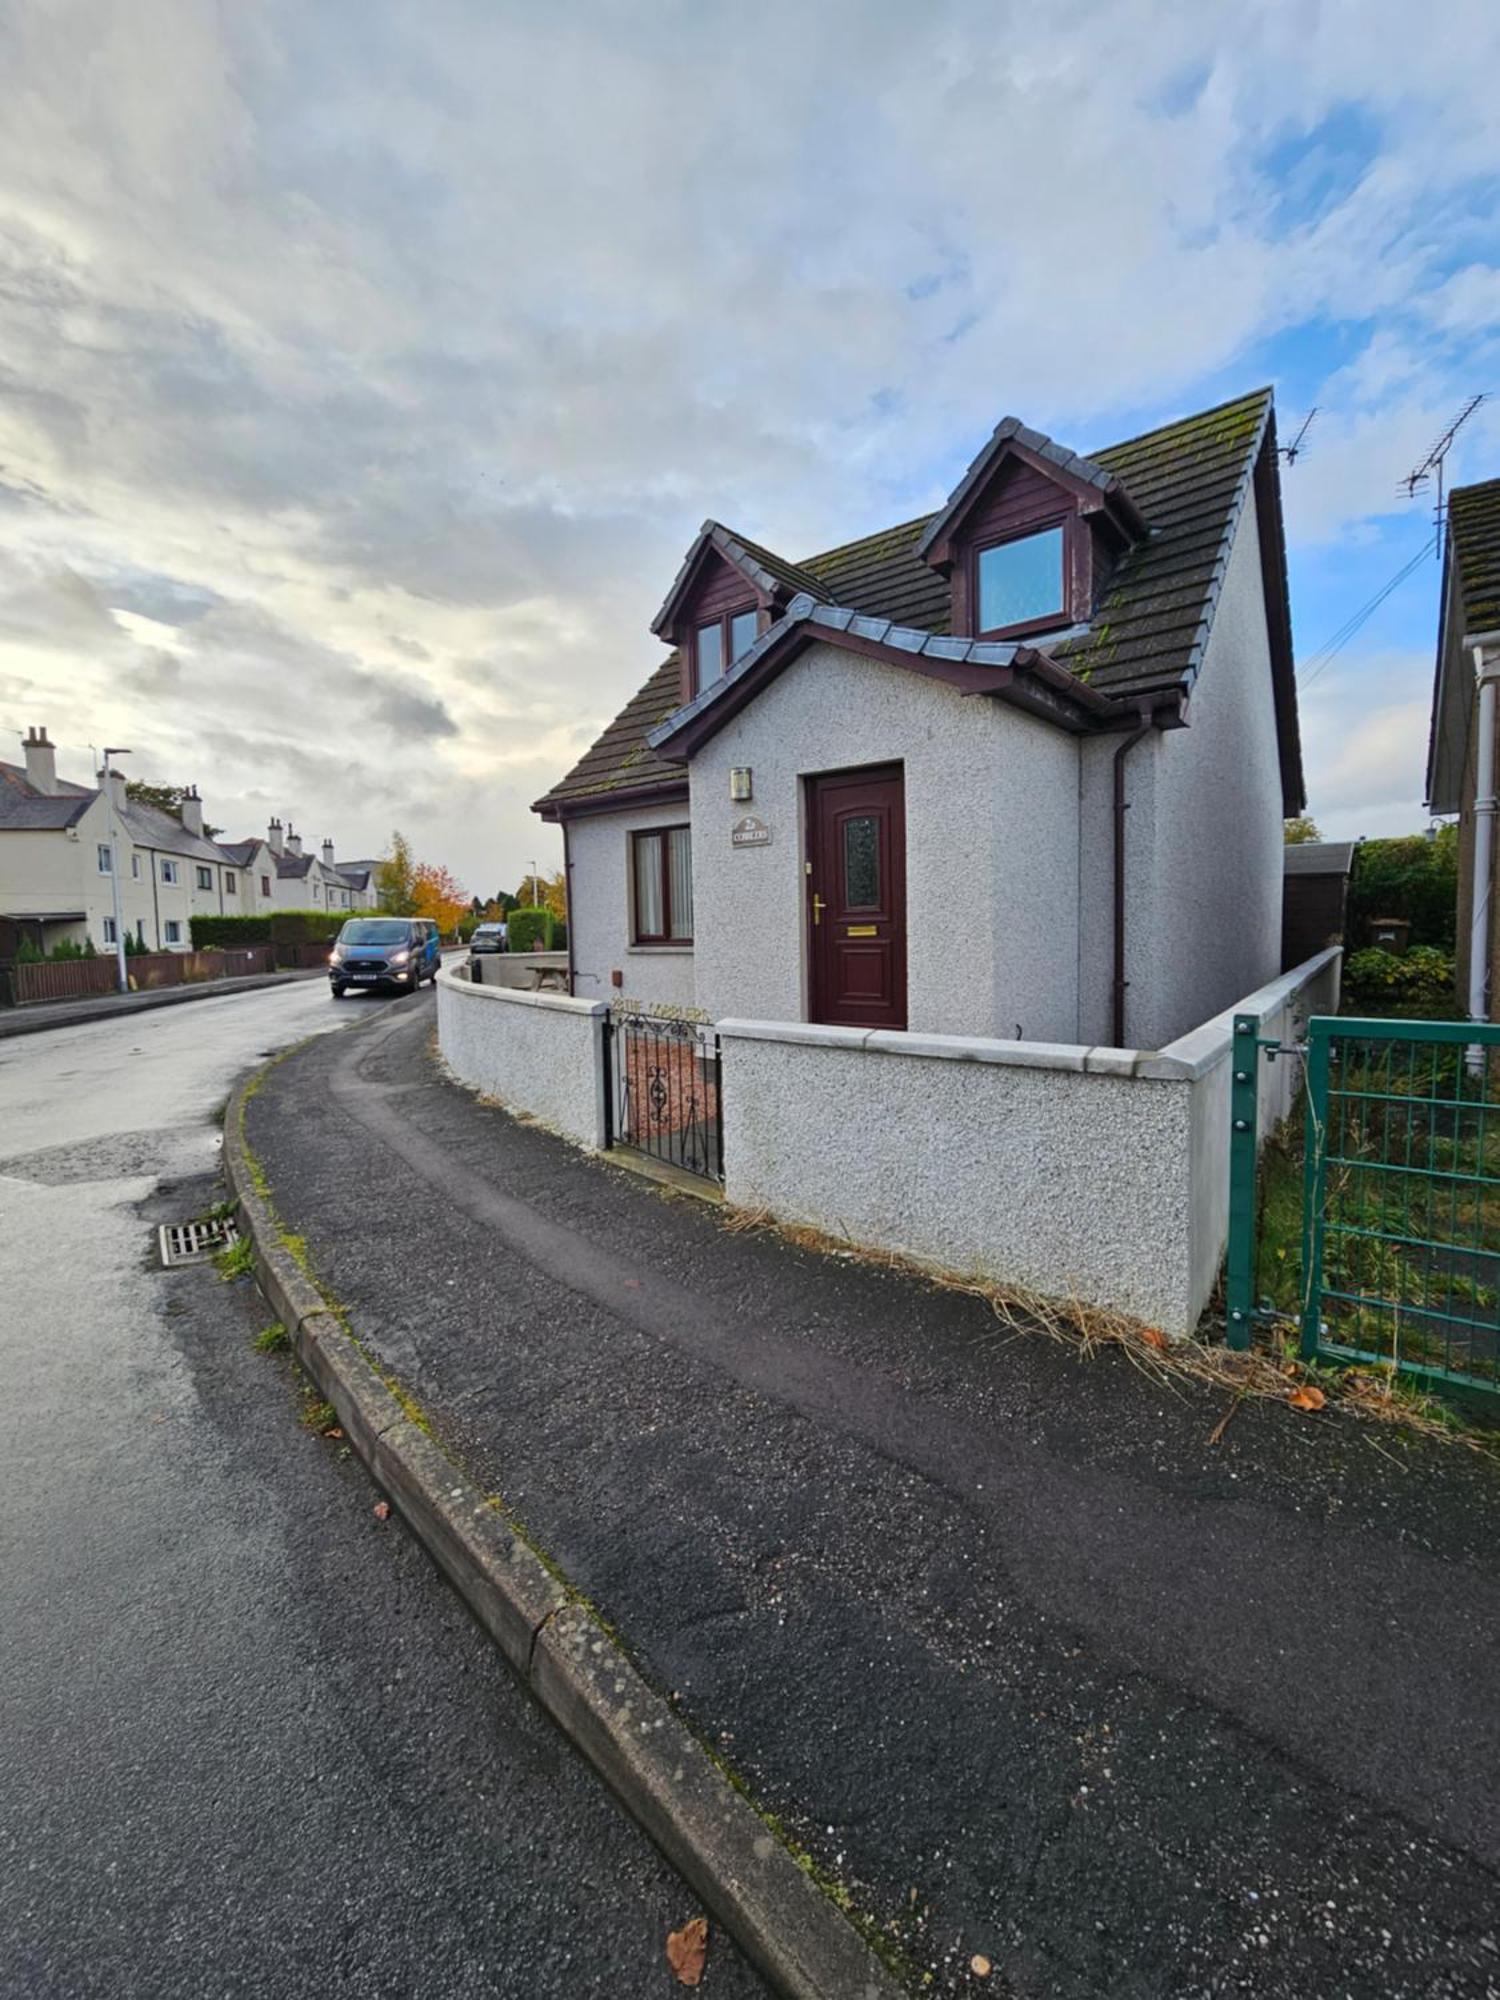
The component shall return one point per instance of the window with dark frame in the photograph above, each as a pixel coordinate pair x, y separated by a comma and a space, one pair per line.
719, 642
661, 873
1020, 584
205, 878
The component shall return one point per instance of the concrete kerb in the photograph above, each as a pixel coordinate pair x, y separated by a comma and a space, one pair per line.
751, 1880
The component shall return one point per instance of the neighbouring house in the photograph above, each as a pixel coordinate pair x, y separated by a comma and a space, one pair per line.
1017, 769
307, 881
61, 843
1461, 742
1315, 896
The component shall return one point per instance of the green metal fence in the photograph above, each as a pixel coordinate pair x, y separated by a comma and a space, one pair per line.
1401, 1218
1398, 1187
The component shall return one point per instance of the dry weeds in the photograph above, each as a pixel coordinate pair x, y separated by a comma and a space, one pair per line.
1269, 1371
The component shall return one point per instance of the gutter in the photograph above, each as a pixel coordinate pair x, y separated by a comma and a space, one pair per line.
1122, 805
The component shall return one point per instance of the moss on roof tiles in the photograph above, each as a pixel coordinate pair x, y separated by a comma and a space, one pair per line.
1185, 478
1474, 524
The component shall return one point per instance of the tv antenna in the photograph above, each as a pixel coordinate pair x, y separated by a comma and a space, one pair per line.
1290, 452
1431, 467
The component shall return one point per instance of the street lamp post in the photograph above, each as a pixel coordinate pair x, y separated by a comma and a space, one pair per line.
122, 977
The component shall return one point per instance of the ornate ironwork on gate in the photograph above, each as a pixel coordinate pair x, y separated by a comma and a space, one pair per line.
663, 1091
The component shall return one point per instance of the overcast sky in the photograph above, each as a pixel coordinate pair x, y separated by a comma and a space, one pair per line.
365, 369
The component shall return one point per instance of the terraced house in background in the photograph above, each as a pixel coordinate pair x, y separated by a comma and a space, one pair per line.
1017, 769
61, 843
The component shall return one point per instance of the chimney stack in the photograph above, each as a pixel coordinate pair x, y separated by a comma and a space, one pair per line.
328, 861
192, 811
41, 763
273, 838
114, 782
293, 839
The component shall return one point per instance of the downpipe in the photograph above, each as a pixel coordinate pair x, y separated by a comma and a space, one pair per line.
1484, 853
1122, 806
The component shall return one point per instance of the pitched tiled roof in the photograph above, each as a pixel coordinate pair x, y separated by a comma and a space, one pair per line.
23, 809
1474, 530
149, 826
1188, 481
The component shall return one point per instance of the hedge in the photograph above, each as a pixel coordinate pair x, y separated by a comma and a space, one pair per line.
529, 929
209, 932
1411, 877
276, 927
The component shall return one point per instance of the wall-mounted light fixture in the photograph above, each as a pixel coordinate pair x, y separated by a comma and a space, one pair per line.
739, 784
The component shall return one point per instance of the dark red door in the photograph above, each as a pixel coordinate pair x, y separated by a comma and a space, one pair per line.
856, 891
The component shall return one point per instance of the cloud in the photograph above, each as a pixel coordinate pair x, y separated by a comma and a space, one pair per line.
364, 372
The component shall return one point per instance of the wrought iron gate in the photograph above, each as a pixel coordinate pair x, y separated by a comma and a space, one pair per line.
662, 1090
1400, 1197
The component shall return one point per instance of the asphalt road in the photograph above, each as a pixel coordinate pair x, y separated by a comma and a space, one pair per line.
249, 1744
1036, 1656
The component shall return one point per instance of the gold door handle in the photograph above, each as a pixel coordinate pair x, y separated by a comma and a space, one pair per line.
819, 906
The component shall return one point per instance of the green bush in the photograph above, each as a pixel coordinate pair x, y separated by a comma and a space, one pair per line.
307, 926
27, 953
1412, 877
530, 929
1379, 982
211, 932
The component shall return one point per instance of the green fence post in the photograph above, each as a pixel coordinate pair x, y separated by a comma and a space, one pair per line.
1244, 1087
1314, 1177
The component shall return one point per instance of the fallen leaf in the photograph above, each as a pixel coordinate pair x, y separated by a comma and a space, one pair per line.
1307, 1398
980, 1966
687, 1949
333, 1431
382, 1510
1153, 1336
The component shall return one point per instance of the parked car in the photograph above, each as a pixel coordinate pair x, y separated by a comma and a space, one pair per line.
488, 937
384, 951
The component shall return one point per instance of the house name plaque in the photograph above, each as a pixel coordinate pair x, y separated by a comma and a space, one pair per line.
750, 832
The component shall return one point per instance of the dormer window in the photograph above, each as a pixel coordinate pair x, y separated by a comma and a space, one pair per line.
1020, 583
719, 642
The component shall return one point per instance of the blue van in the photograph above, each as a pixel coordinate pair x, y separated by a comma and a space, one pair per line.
384, 951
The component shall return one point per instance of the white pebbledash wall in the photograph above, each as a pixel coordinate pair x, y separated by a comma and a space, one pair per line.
1095, 1175
538, 1053
600, 903
991, 848
1091, 1174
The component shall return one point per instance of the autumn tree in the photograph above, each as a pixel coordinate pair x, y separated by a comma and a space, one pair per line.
435, 894
396, 879
1300, 830
544, 891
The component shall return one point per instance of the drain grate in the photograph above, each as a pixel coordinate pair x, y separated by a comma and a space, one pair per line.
196, 1241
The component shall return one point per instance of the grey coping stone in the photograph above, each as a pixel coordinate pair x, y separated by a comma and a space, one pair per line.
1111, 1062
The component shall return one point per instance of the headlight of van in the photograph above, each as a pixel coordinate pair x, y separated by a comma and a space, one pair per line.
400, 957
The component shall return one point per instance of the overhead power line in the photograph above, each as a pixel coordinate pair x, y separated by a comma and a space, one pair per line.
1308, 672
